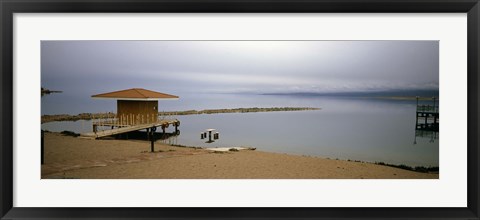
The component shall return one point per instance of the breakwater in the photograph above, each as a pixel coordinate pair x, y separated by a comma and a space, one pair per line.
90, 116
238, 110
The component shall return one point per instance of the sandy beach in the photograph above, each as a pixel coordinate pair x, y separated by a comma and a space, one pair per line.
78, 158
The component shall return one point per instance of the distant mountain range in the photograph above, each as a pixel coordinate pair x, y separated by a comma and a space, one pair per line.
389, 93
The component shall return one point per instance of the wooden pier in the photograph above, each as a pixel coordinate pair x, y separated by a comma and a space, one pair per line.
427, 117
137, 109
118, 128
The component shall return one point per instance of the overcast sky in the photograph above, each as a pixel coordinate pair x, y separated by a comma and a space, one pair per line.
180, 67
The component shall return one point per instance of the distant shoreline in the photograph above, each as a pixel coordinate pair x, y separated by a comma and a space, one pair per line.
90, 116
406, 98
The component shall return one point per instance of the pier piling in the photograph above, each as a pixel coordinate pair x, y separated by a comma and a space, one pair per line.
152, 139
42, 146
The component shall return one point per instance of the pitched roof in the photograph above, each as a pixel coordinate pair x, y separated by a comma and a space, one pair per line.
135, 94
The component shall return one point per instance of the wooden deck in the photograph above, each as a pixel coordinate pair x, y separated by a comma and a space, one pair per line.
120, 129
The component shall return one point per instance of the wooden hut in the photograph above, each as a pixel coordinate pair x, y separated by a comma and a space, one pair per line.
137, 105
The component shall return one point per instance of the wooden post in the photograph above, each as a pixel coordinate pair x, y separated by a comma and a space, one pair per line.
152, 139
416, 119
209, 136
426, 118
42, 146
416, 113
152, 143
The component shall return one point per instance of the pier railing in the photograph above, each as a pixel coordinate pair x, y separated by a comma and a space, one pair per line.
427, 108
130, 120
427, 118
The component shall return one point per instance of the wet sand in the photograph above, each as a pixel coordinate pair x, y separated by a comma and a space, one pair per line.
78, 158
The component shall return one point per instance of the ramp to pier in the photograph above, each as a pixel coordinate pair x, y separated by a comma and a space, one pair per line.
121, 130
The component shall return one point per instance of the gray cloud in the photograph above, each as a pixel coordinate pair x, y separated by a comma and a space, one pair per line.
239, 66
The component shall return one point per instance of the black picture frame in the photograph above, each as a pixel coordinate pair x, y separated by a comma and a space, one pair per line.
9, 7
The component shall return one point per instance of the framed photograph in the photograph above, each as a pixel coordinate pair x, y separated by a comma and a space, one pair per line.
239, 109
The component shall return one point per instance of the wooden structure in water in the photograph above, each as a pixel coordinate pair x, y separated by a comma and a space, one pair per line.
136, 105
210, 131
427, 117
137, 109
117, 128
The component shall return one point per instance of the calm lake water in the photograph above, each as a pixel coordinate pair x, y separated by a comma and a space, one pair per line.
364, 129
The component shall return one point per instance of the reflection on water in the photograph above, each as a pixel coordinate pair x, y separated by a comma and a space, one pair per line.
432, 135
346, 128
